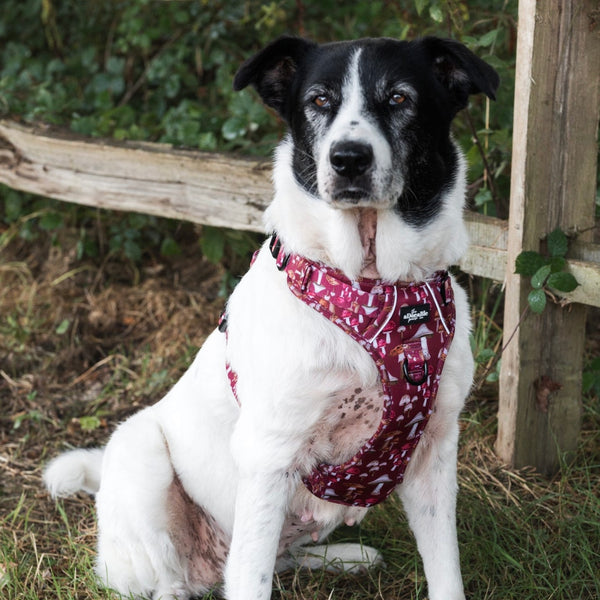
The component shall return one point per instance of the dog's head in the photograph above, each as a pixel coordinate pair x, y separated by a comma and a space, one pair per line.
370, 119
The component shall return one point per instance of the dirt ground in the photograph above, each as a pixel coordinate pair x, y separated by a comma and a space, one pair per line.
83, 344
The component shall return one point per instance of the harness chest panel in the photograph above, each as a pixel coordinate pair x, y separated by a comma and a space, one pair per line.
407, 330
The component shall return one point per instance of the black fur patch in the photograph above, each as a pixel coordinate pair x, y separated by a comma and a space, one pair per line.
291, 72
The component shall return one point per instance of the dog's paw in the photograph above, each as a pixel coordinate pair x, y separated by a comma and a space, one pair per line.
339, 558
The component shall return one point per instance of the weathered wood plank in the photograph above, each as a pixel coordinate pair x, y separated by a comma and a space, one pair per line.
212, 189
552, 185
225, 191
486, 256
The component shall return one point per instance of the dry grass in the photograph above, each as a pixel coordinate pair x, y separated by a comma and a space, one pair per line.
82, 346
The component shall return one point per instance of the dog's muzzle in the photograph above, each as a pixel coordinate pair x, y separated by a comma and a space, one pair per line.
351, 161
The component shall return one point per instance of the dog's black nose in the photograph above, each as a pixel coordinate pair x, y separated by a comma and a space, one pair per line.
351, 159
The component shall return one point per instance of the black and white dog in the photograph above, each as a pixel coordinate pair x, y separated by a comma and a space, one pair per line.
213, 483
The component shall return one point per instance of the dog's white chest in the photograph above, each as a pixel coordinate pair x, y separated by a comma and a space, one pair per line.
352, 419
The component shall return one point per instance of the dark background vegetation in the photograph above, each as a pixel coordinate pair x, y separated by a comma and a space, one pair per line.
162, 71
100, 312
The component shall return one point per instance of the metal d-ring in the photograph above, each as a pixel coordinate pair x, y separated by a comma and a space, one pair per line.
409, 378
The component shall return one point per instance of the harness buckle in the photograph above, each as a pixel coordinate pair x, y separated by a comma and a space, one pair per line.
409, 377
274, 245
281, 259
282, 263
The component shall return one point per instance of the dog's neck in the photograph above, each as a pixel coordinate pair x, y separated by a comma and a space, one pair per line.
367, 230
364, 242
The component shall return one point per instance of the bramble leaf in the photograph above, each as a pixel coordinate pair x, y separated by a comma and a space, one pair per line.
539, 277
537, 301
528, 263
563, 281
557, 243
557, 264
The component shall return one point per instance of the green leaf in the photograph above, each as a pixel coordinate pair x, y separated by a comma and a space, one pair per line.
420, 5
28, 231
63, 327
537, 301
132, 250
115, 65
485, 355
557, 264
169, 247
558, 243
496, 62
588, 381
234, 127
89, 423
591, 377
207, 141
482, 197
487, 39
241, 243
563, 281
528, 263
51, 221
436, 13
593, 365
539, 277
137, 220
13, 206
493, 377
212, 243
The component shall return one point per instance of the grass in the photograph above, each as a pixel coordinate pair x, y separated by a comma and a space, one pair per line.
521, 535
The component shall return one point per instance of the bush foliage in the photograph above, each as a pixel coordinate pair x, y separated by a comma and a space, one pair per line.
161, 71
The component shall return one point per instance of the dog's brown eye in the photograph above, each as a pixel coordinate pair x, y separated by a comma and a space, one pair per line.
321, 101
397, 98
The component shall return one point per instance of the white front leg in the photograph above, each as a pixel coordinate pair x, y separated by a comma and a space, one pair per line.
259, 514
429, 497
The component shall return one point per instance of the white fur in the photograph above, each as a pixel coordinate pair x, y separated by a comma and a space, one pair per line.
241, 465
75, 471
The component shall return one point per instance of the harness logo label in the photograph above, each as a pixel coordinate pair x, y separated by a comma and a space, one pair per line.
414, 314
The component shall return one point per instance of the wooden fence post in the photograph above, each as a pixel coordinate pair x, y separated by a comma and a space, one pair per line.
553, 185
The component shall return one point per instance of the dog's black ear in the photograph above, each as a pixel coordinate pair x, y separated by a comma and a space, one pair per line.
460, 71
272, 70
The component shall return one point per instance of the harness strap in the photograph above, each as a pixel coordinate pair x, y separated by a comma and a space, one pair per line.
407, 330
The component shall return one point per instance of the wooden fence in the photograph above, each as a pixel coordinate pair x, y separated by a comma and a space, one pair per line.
553, 184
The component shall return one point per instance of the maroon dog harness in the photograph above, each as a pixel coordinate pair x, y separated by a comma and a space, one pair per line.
407, 330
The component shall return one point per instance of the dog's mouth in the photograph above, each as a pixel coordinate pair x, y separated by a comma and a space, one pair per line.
351, 195
363, 192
